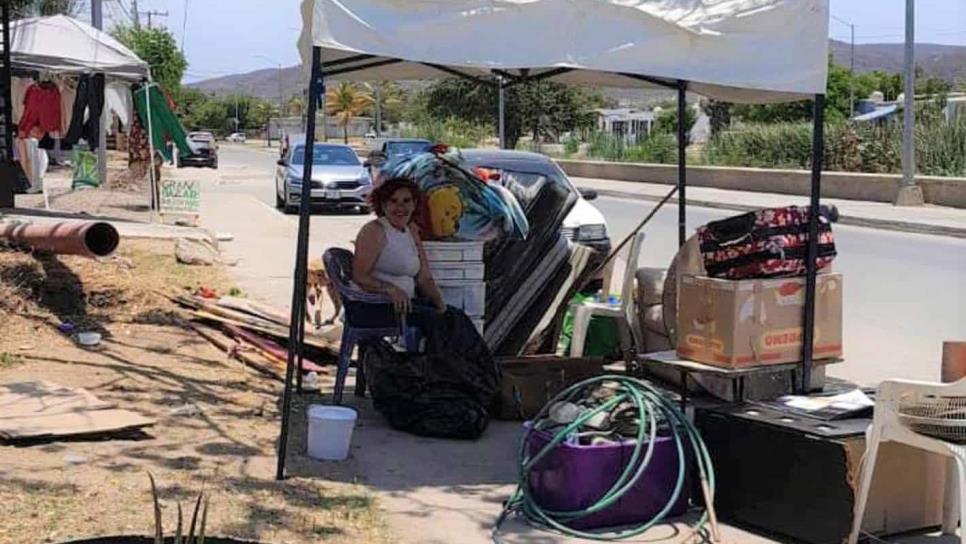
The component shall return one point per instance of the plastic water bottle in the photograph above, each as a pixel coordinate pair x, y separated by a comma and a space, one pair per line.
613, 300
311, 381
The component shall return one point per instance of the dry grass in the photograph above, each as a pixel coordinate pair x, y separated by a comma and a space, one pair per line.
59, 490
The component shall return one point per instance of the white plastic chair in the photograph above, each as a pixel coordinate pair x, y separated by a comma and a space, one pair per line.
626, 314
915, 413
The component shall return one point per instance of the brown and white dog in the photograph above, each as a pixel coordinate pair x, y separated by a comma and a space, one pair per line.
318, 285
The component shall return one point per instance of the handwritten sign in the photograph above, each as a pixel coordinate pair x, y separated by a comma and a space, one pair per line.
180, 196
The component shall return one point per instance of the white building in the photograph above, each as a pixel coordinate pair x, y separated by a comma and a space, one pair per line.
629, 124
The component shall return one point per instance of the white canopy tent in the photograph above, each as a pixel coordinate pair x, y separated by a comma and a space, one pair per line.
65, 45
733, 50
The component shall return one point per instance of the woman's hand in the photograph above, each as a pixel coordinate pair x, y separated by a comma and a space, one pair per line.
399, 298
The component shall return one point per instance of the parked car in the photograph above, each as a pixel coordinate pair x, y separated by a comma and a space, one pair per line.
339, 181
524, 170
236, 137
205, 150
387, 149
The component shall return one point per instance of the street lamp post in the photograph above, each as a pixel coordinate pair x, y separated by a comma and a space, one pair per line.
910, 194
281, 100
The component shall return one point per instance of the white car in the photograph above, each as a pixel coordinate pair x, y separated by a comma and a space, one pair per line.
236, 137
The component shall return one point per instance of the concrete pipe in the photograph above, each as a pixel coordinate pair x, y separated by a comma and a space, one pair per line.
90, 239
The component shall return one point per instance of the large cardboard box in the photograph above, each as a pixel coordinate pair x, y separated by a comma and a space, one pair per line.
745, 323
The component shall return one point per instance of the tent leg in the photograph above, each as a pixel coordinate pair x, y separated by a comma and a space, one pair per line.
501, 106
295, 346
682, 164
808, 333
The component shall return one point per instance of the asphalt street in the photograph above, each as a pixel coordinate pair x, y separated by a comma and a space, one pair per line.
904, 293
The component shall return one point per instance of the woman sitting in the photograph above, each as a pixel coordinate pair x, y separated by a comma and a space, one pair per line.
389, 256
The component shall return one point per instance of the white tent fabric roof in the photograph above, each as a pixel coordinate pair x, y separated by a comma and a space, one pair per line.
63, 44
736, 50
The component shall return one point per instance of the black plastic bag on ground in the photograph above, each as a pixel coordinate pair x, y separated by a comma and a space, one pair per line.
446, 392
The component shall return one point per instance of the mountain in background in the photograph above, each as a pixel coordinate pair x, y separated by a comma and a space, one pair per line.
945, 61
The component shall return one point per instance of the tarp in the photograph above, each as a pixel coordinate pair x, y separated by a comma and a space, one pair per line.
65, 45
735, 50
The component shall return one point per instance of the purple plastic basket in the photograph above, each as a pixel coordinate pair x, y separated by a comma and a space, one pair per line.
574, 477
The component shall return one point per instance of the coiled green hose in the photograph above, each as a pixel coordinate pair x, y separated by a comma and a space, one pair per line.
654, 411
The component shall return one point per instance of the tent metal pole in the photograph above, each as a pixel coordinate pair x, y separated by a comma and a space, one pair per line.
808, 331
295, 344
682, 163
501, 116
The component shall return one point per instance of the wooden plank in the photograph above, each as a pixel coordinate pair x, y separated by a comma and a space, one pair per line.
230, 347
271, 350
670, 359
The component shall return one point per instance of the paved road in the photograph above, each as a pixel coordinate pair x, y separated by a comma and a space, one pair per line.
904, 293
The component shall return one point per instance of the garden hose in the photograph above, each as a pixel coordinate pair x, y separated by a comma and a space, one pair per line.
655, 412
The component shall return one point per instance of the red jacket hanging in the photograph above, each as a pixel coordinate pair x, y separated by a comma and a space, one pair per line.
41, 109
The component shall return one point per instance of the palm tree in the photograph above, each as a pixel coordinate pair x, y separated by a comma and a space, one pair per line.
346, 102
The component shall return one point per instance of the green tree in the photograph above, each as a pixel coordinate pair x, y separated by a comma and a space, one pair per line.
30, 8
158, 48
540, 108
666, 121
719, 115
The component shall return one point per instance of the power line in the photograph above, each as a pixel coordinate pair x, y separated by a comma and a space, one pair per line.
184, 26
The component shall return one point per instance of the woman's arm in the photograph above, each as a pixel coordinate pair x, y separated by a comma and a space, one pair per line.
369, 244
427, 285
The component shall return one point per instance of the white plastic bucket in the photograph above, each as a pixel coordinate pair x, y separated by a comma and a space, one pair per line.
329, 431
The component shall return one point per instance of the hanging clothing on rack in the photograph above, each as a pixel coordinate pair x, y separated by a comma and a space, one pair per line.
118, 100
164, 124
90, 99
18, 92
68, 94
41, 111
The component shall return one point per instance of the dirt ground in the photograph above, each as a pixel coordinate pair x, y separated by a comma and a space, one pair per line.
217, 420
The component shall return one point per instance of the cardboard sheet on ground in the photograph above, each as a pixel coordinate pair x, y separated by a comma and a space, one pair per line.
41, 409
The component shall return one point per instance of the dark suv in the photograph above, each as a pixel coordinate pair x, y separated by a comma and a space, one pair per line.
205, 150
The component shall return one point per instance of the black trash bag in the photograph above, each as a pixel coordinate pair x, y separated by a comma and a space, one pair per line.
445, 392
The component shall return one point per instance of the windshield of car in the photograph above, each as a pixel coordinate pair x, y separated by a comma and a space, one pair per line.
201, 136
325, 154
395, 149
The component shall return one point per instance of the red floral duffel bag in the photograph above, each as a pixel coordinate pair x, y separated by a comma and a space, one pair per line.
766, 243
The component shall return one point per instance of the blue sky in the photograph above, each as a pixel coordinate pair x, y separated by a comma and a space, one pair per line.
230, 36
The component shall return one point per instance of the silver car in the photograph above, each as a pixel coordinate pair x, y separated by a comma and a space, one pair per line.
339, 181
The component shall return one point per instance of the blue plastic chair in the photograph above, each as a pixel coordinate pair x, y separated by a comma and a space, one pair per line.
338, 266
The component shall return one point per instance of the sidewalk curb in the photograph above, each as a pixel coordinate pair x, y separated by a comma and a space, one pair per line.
844, 219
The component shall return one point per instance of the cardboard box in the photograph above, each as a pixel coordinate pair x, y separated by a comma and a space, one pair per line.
528, 383
745, 323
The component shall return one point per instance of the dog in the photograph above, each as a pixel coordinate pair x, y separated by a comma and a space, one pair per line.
317, 286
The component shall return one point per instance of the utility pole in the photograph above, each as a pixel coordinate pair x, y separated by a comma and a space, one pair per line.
135, 16
851, 64
97, 18
910, 194
151, 13
852, 71
378, 109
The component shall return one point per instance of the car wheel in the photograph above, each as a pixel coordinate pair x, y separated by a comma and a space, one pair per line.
365, 210
289, 210
279, 202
